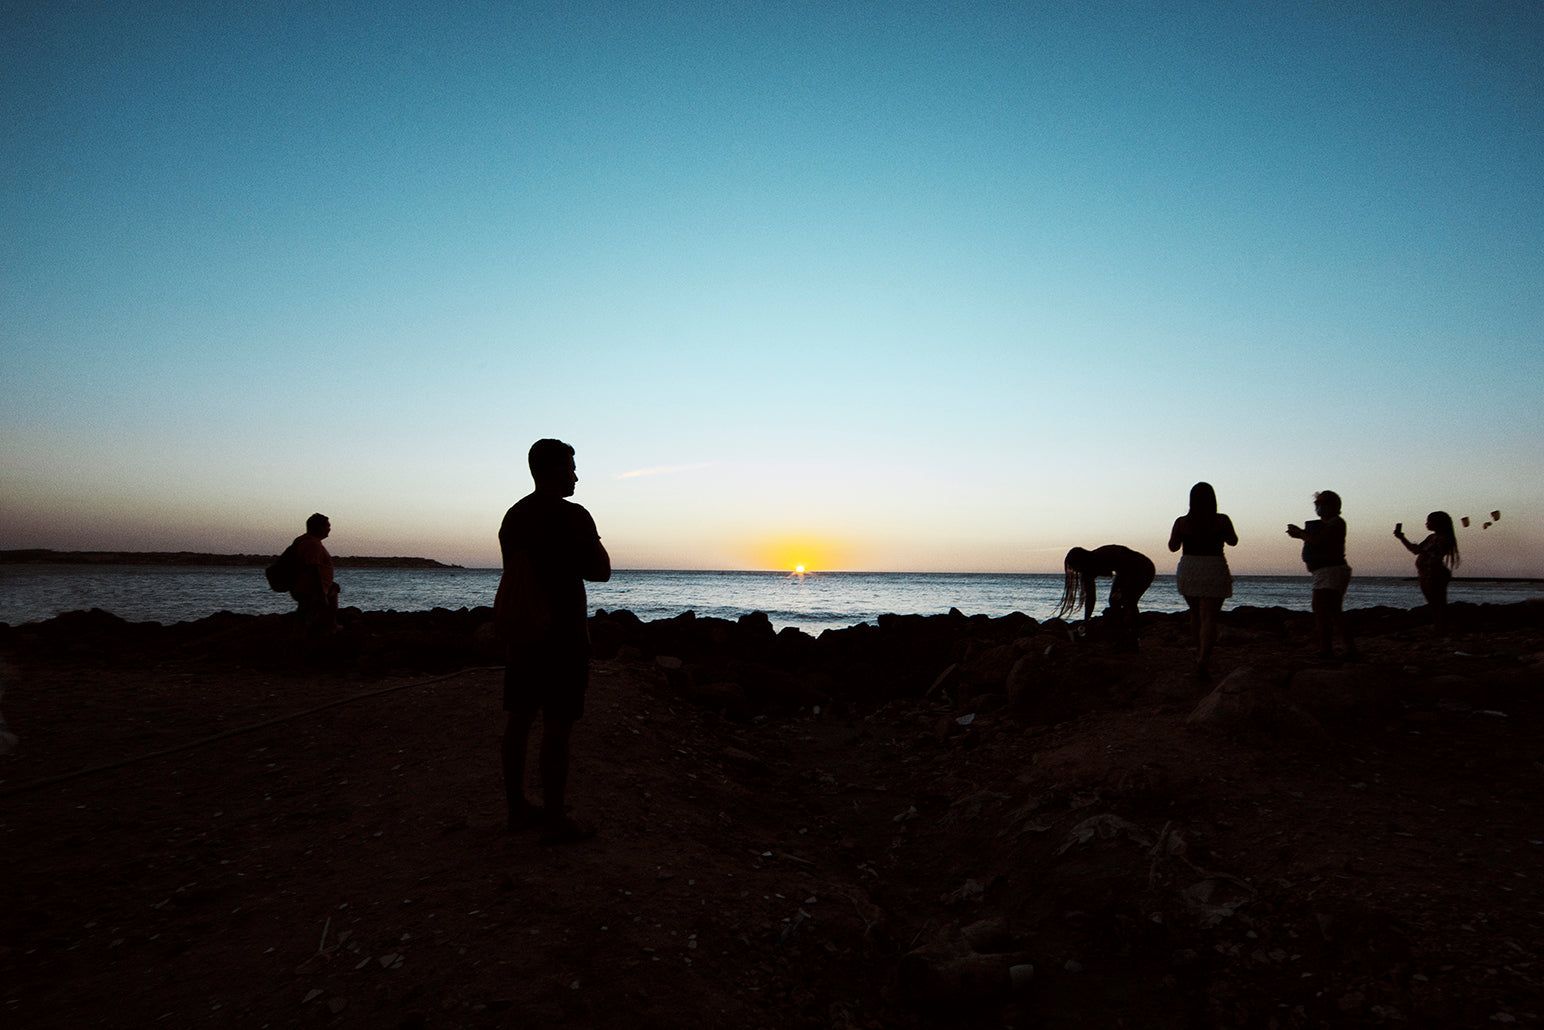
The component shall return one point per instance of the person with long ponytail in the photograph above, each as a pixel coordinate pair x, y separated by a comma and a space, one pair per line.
1132, 574
1435, 559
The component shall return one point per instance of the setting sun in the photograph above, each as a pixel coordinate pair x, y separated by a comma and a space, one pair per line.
798, 556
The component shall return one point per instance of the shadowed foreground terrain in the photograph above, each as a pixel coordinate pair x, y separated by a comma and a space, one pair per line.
941, 821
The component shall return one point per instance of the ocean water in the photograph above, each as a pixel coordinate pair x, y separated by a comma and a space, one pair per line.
146, 593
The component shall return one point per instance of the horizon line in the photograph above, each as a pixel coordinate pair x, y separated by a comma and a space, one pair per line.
790, 573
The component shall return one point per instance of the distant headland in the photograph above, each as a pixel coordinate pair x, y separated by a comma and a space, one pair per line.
40, 556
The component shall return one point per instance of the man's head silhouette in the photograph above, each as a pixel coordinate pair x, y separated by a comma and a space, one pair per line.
552, 466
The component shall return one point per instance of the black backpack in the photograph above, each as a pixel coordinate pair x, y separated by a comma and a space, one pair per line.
283, 573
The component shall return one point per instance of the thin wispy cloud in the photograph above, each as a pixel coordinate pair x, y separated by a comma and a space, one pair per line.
663, 470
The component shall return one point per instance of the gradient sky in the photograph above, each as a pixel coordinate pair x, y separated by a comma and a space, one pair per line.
864, 285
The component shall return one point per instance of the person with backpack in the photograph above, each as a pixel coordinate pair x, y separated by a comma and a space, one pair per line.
312, 586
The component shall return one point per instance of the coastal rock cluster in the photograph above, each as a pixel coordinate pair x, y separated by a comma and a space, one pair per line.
742, 668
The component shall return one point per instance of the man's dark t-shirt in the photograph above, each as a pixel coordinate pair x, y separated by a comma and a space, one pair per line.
559, 538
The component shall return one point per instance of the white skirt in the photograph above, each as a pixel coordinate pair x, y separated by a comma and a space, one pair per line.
1203, 575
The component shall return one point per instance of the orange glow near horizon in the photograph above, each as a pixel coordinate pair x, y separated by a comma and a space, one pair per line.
798, 555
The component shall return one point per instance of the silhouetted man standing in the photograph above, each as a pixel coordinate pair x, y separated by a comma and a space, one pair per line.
550, 547
315, 593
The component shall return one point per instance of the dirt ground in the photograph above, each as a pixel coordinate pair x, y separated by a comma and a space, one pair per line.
190, 840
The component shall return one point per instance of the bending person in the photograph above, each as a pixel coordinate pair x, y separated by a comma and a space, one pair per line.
1435, 559
1203, 577
1133, 573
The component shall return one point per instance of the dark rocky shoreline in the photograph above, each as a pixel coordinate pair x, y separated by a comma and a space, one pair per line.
742, 666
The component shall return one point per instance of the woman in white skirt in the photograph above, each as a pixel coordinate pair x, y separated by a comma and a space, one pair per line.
1203, 577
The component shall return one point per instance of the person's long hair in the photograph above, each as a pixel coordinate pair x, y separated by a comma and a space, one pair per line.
1074, 589
1203, 499
1442, 522
1203, 507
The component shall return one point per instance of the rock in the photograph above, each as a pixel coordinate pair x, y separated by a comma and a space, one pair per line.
1447, 687
794, 646
1023, 683
1309, 703
945, 680
8, 740
744, 761
986, 936
972, 964
1241, 697
1030, 680
987, 667
766, 687
1106, 827
1345, 699
968, 978
758, 623
1216, 898
719, 696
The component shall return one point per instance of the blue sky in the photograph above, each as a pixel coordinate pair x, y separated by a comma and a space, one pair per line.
863, 285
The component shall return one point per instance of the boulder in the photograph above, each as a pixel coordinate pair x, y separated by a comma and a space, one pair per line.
986, 667
1350, 698
1242, 697
1312, 702
1057, 678
1026, 681
8, 740
973, 964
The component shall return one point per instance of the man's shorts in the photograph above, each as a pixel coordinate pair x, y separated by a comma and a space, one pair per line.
546, 680
1332, 577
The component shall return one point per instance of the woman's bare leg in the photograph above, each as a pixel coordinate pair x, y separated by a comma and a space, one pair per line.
1203, 624
1435, 592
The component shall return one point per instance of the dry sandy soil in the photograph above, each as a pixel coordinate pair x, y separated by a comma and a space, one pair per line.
198, 835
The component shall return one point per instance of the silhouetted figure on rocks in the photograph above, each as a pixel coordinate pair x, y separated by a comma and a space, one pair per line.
1435, 559
315, 593
1203, 577
1324, 552
550, 547
1133, 573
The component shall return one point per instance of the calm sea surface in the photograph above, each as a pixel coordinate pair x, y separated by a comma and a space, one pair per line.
145, 593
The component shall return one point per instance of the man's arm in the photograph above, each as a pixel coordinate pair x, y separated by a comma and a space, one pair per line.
597, 564
593, 561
